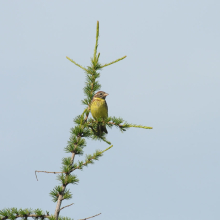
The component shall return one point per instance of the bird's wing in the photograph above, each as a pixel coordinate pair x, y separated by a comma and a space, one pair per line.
106, 107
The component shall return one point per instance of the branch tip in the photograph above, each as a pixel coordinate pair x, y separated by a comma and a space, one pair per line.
91, 216
66, 206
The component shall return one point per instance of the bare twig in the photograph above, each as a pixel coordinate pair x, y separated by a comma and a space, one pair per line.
66, 206
36, 175
91, 216
45, 172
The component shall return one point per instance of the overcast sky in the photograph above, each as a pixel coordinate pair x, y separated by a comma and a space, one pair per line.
170, 80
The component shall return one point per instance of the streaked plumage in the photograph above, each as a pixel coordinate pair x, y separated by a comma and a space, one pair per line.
99, 108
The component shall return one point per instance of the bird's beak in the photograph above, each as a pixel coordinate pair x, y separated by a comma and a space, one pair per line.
106, 94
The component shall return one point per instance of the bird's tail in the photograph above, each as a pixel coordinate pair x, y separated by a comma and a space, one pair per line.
102, 128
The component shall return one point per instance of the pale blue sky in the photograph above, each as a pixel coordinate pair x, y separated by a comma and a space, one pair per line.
170, 80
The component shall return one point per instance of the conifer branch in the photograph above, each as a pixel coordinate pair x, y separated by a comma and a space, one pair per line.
90, 158
90, 217
76, 64
107, 64
14, 213
110, 122
25, 216
130, 126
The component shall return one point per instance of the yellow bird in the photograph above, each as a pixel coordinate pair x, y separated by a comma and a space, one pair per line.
99, 108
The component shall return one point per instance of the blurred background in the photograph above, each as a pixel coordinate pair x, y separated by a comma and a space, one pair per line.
170, 80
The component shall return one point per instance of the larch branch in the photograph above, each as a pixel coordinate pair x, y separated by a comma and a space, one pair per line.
26, 216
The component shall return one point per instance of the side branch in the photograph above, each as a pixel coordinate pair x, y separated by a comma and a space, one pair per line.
113, 62
26, 216
94, 157
91, 216
130, 126
77, 64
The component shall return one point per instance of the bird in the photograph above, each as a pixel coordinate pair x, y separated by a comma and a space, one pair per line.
99, 109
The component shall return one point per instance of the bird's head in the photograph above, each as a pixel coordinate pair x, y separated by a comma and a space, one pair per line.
101, 95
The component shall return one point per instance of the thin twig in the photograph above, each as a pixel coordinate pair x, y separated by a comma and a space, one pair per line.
36, 175
77, 64
107, 64
87, 115
45, 172
91, 216
48, 172
66, 206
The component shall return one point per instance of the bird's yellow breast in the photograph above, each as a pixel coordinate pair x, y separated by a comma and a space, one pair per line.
99, 108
